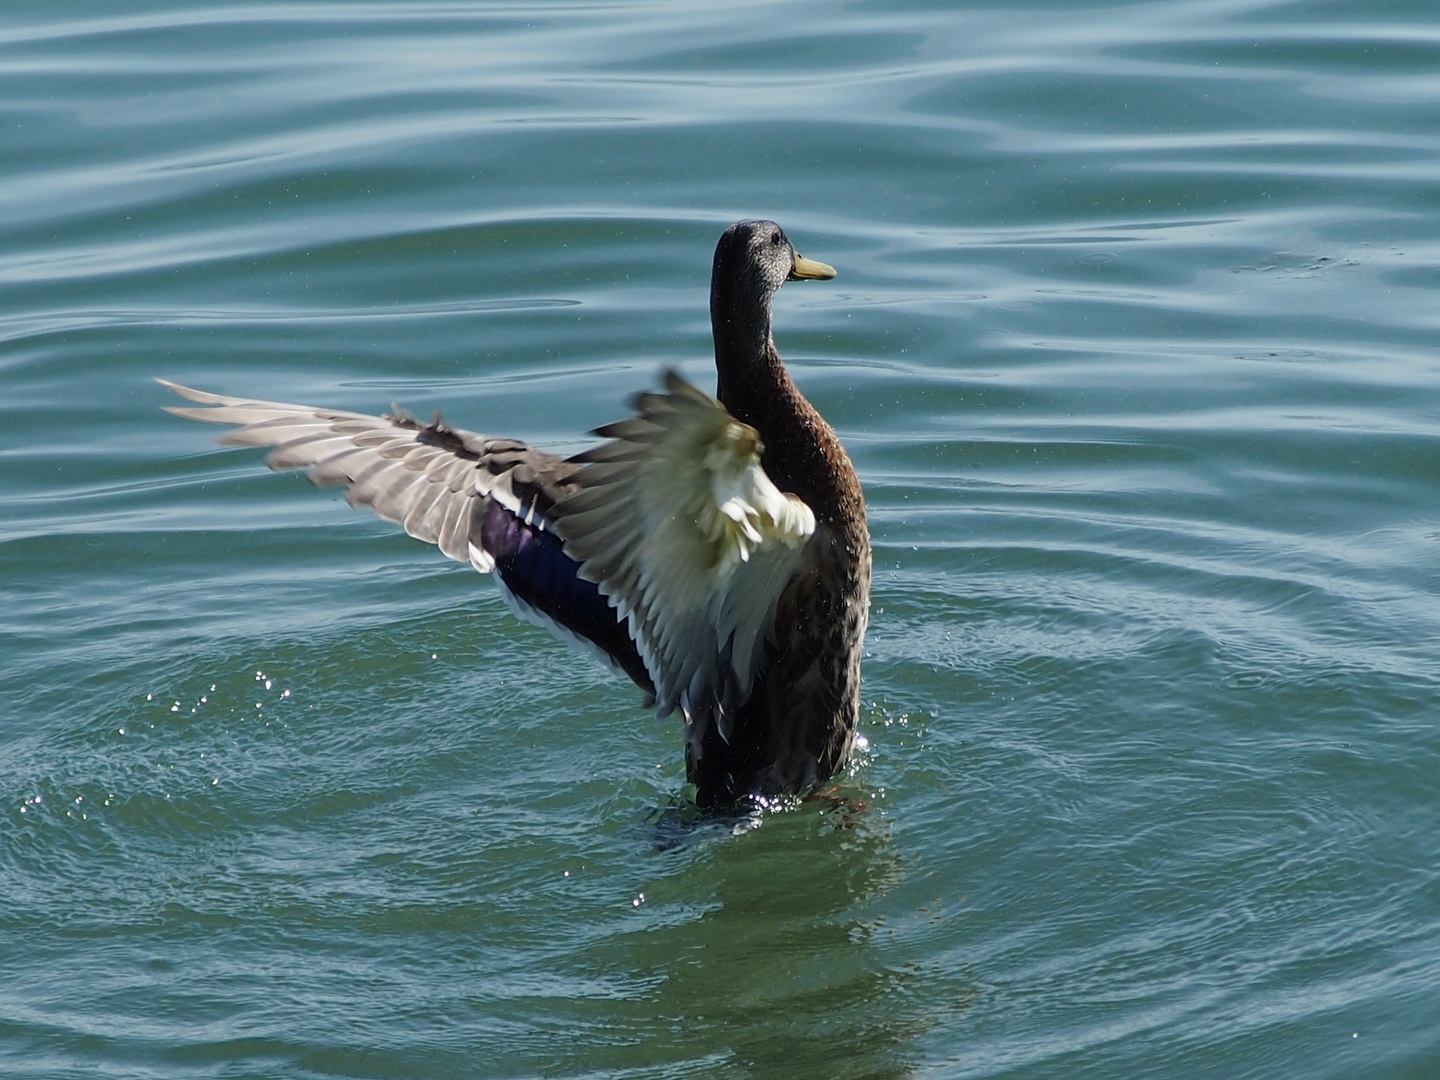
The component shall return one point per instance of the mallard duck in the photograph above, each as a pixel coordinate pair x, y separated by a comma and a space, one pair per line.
714, 549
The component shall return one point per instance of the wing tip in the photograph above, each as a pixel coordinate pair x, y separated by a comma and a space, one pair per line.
189, 393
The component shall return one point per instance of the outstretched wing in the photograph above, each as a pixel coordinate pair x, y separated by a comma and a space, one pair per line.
485, 501
423, 477
677, 522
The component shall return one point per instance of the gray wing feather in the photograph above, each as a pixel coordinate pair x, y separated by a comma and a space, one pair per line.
424, 478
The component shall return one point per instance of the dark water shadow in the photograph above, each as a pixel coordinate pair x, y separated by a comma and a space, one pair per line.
765, 948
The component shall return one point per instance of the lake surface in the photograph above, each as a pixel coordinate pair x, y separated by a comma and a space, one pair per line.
1134, 345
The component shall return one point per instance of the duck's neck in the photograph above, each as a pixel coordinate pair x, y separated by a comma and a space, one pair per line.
740, 321
802, 454
753, 383
748, 367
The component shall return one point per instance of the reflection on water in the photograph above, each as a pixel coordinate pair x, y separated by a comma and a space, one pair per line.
756, 954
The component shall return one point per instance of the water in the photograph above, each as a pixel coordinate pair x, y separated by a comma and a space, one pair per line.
1134, 346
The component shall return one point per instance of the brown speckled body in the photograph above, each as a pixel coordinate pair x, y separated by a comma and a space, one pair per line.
798, 726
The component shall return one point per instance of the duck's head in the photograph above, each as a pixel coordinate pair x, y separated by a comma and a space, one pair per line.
752, 260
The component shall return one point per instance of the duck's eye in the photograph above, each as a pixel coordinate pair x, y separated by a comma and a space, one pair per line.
775, 237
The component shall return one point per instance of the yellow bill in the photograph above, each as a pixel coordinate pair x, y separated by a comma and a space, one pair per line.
811, 269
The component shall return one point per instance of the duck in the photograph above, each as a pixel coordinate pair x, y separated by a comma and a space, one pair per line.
714, 549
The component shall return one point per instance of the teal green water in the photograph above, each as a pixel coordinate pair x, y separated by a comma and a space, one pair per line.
1134, 345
